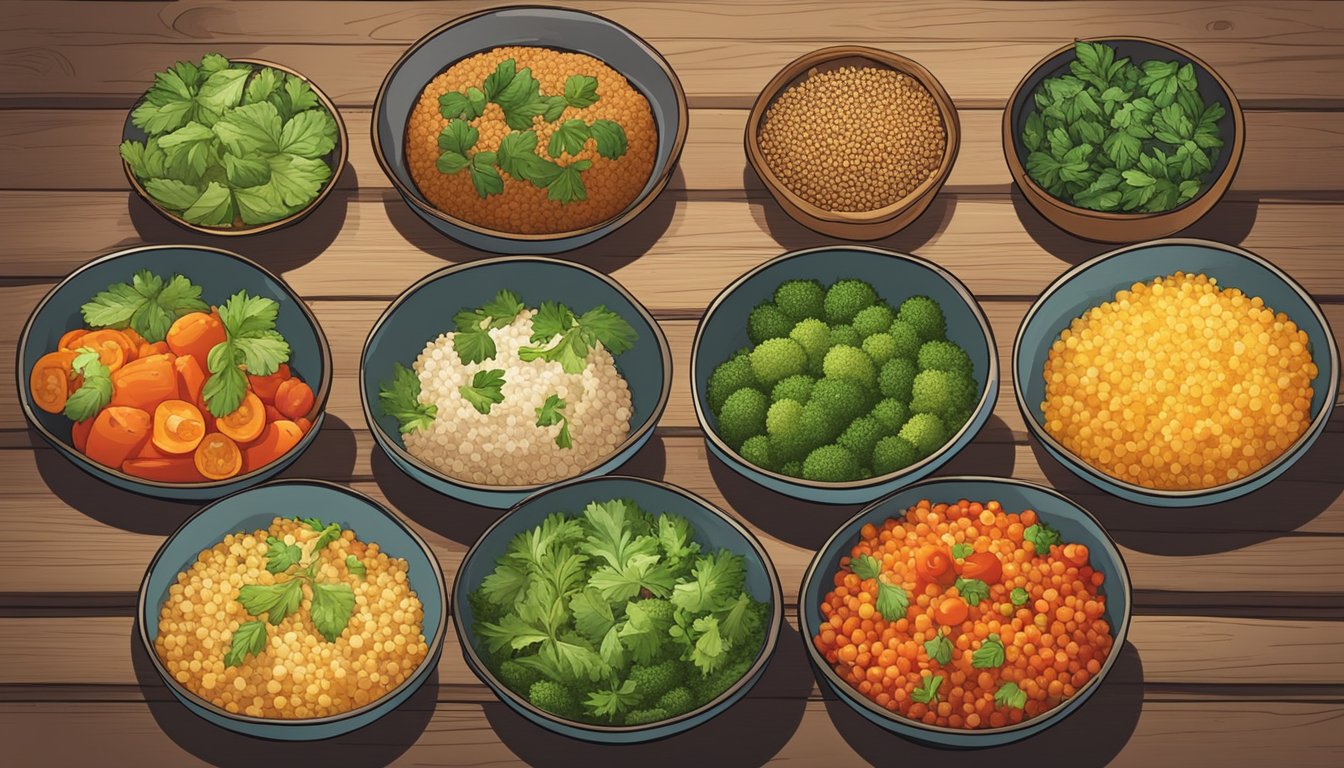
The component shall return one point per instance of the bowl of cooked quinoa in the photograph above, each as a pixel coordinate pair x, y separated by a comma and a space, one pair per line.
852, 141
529, 130
296, 610
966, 611
487, 381
1176, 373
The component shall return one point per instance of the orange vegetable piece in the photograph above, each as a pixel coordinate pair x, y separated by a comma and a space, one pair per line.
178, 427
118, 433
246, 422
134, 337
273, 415
148, 451
176, 469
304, 424
218, 457
265, 386
145, 383
112, 346
294, 399
934, 565
190, 378
157, 348
79, 434
984, 566
50, 380
68, 341
951, 612
277, 439
195, 333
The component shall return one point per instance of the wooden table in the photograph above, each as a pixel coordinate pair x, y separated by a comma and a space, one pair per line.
1234, 656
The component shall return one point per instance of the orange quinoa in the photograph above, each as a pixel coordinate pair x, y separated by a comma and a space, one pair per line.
523, 208
1053, 642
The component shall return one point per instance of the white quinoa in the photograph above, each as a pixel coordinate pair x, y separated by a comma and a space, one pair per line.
506, 447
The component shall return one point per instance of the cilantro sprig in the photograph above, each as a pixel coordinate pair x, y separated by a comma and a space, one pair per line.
989, 655
148, 304
1009, 695
551, 413
927, 690
400, 399
472, 340
485, 390
96, 390
1042, 537
252, 346
573, 335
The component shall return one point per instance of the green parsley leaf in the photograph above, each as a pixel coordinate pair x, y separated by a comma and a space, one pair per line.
739, 621
1019, 596
485, 389
251, 129
571, 351
511, 632
313, 523
1042, 536
249, 639
501, 77
451, 162
262, 85
329, 534
550, 414
972, 590
355, 566
939, 648
309, 134
517, 157
610, 138
332, 607
865, 566
961, 550
484, 176
473, 345
581, 91
551, 320
458, 136
640, 572
642, 634
613, 701
569, 137
280, 556
400, 399
468, 106
214, 208
609, 328
676, 537
226, 387
709, 651
718, 577
892, 601
593, 617
96, 390
223, 89
989, 655
275, 600
1009, 695
555, 107
927, 690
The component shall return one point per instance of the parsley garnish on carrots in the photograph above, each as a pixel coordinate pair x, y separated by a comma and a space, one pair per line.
96, 390
147, 305
252, 347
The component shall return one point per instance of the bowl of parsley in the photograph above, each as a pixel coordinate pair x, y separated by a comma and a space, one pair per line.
1121, 139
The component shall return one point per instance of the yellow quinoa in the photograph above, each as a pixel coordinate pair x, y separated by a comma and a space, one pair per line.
1179, 384
854, 138
298, 674
522, 207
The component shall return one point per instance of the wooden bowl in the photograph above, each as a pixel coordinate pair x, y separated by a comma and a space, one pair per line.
852, 225
1110, 227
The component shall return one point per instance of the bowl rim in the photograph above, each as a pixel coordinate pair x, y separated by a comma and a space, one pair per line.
991, 372
1100, 479
320, 396
1217, 187
797, 70
622, 217
342, 156
767, 651
392, 444
435, 643
1118, 633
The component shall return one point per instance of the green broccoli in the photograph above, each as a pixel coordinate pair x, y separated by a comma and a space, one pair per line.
845, 335
897, 378
677, 700
783, 417
554, 697
860, 437
924, 314
657, 609
906, 338
944, 356
731, 375
653, 680
743, 416
926, 432
796, 387
875, 319
517, 677
844, 398
881, 347
800, 298
845, 298
766, 321
815, 338
850, 363
792, 469
831, 464
776, 359
483, 611
646, 716
893, 453
706, 688
756, 451
819, 424
942, 392
890, 414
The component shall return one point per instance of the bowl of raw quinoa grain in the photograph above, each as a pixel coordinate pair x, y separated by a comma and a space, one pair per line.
1176, 373
852, 141
296, 610
490, 380
529, 130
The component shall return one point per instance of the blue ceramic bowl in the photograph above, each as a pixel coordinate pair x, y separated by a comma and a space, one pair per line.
220, 275
1096, 281
1075, 525
558, 28
256, 508
426, 309
713, 530
896, 276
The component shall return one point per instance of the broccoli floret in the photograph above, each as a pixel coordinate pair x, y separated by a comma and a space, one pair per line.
831, 464
941, 392
850, 363
944, 356
776, 359
800, 298
792, 469
860, 437
897, 378
796, 387
925, 316
731, 375
819, 424
845, 299
708, 687
926, 432
890, 414
893, 453
767, 322
845, 335
783, 423
875, 319
553, 697
958, 419
844, 398
880, 347
783, 417
483, 611
814, 337
659, 610
906, 338
676, 701
653, 680
743, 416
756, 451
517, 677
645, 716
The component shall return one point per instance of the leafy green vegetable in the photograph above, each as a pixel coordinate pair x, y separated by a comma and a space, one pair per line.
960, 551
865, 567
551, 413
355, 566
148, 304
248, 639
332, 607
927, 690
1019, 596
400, 399
485, 390
277, 601
972, 590
280, 556
1042, 536
989, 655
1009, 695
251, 344
939, 649
95, 392
892, 600
472, 340
575, 335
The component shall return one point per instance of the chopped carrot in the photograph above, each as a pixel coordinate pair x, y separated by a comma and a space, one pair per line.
195, 334
278, 438
951, 612
273, 415
265, 386
178, 427
157, 348
218, 457
984, 566
145, 383
934, 565
112, 346
304, 424
118, 433
246, 422
191, 379
134, 337
294, 399
50, 380
177, 469
79, 434
68, 341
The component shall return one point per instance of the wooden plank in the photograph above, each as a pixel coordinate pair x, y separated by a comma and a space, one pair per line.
1296, 153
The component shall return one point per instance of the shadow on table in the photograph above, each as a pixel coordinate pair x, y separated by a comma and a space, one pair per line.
331, 456
1091, 736
374, 745
280, 250
749, 733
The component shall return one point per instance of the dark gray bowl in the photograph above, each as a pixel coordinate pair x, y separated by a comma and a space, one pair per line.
713, 529
558, 28
220, 274
1074, 524
426, 309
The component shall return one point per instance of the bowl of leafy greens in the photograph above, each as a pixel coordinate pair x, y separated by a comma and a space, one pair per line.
617, 609
1120, 139
233, 146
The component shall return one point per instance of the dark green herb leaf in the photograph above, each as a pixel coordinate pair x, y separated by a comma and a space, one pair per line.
458, 136
249, 639
939, 649
551, 413
581, 91
989, 655
609, 137
332, 606
1042, 536
892, 601
1009, 695
484, 176
569, 137
485, 389
400, 399
972, 590
927, 690
275, 600
280, 556
865, 567
567, 186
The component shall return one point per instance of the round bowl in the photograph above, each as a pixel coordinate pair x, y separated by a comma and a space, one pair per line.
425, 310
255, 508
852, 225
1109, 226
220, 274
557, 28
335, 159
722, 331
713, 529
1074, 524
1097, 281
